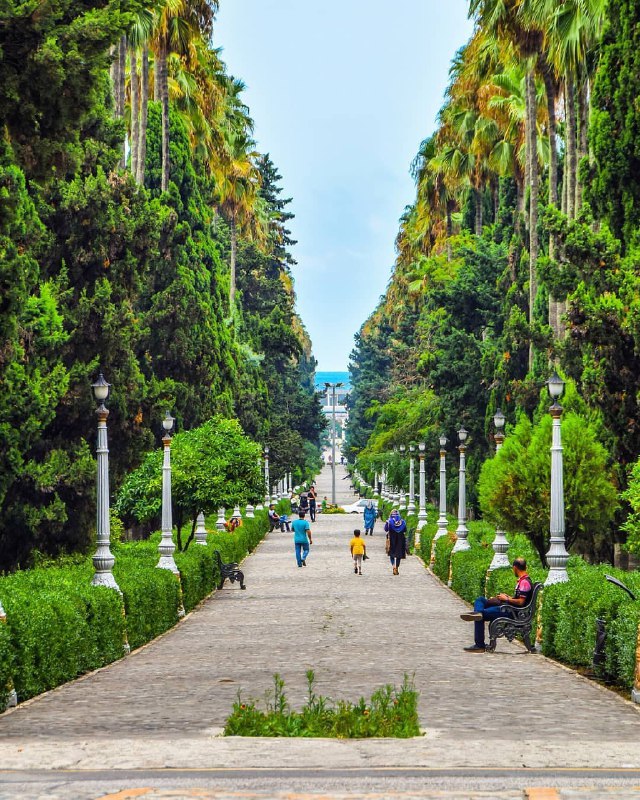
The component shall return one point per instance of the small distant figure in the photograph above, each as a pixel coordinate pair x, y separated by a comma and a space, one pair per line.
302, 538
284, 523
312, 496
233, 523
396, 545
342, 459
274, 518
303, 505
325, 504
370, 516
358, 551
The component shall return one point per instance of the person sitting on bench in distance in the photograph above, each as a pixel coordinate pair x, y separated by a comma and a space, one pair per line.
487, 608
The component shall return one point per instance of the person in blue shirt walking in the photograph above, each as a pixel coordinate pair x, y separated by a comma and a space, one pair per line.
302, 538
370, 515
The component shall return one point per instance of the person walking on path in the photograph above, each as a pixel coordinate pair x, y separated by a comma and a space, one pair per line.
488, 608
396, 529
302, 538
370, 515
313, 496
304, 502
358, 551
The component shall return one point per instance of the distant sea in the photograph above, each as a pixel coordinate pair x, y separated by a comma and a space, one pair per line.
332, 377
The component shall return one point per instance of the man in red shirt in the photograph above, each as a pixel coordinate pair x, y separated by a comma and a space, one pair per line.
488, 608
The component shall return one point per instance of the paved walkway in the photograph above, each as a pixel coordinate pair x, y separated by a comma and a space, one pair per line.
165, 704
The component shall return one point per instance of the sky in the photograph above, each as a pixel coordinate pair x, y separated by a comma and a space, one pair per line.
342, 92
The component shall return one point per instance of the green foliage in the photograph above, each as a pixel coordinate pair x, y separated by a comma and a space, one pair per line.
7, 664
614, 189
212, 466
391, 712
59, 626
632, 524
514, 485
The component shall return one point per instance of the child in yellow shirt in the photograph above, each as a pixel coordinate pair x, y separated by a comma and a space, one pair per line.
358, 550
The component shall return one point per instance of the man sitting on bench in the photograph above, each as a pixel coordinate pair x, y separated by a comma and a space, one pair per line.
488, 608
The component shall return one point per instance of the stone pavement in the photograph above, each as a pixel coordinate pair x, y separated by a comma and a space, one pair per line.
165, 704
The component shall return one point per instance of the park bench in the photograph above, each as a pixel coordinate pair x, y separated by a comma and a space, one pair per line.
515, 621
230, 570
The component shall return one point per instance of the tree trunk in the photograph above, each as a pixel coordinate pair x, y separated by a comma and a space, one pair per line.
495, 192
571, 147
477, 198
551, 93
449, 229
163, 80
232, 265
583, 135
122, 70
142, 118
533, 200
135, 130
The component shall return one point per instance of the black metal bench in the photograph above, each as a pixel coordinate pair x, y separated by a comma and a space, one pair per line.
516, 621
230, 570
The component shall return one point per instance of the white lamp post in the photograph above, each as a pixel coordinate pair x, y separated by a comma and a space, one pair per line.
166, 546
442, 518
12, 697
411, 508
557, 556
103, 559
267, 485
500, 543
462, 532
333, 387
401, 497
422, 500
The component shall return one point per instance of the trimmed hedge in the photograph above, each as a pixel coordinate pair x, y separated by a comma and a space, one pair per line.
569, 610
59, 626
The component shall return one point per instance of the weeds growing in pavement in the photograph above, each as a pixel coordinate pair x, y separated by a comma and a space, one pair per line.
391, 712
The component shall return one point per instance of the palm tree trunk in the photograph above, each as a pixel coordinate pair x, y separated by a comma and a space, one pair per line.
135, 130
121, 93
551, 93
571, 147
583, 135
164, 99
477, 199
232, 264
533, 198
142, 118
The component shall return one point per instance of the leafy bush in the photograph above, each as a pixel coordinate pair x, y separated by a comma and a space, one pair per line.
514, 485
59, 626
212, 466
391, 712
444, 546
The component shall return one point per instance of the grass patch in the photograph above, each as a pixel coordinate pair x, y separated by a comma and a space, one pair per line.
390, 713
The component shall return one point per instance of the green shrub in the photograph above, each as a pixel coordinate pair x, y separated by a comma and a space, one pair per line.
7, 665
444, 546
59, 626
391, 712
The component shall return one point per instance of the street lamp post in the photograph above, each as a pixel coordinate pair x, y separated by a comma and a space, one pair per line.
103, 559
402, 498
500, 543
333, 387
557, 556
422, 500
166, 546
462, 532
411, 508
267, 485
442, 518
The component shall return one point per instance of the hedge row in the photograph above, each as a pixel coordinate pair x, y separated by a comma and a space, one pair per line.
59, 626
569, 610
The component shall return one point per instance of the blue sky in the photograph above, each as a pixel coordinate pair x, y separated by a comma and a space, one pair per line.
342, 93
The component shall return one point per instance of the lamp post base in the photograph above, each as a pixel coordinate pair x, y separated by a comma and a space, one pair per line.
105, 579
556, 575
635, 695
